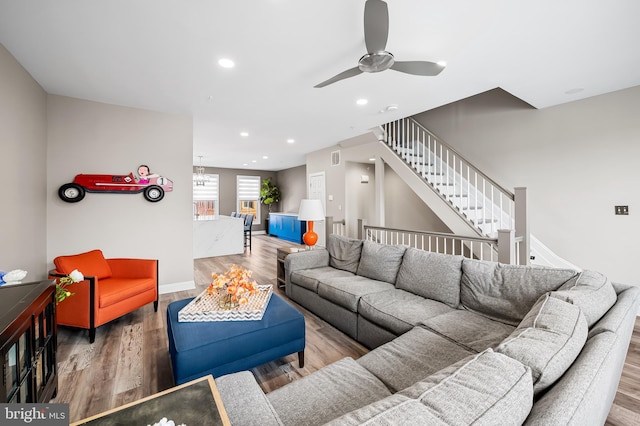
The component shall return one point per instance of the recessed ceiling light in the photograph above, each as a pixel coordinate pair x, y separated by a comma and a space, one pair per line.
254, 161
226, 63
442, 63
244, 134
362, 101
245, 164
264, 157
290, 140
372, 159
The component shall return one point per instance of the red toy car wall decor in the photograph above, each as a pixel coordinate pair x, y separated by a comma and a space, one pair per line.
151, 185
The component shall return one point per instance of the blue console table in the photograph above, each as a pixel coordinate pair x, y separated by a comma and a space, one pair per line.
286, 226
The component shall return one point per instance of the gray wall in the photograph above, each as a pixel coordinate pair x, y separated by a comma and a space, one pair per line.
91, 137
404, 209
23, 153
578, 160
293, 188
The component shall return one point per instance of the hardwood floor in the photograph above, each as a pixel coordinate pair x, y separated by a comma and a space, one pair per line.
130, 359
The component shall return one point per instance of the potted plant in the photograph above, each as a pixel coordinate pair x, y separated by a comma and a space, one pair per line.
269, 194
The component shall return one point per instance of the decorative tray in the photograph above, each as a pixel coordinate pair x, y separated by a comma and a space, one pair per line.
207, 308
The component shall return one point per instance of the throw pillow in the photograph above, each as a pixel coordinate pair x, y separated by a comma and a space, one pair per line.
591, 291
344, 253
91, 264
431, 275
547, 340
506, 293
380, 261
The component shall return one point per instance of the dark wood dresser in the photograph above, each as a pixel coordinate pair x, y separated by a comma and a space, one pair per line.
28, 342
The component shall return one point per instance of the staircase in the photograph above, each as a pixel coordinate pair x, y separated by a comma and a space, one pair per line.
485, 206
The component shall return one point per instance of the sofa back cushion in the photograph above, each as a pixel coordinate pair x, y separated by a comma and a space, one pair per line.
91, 264
548, 340
431, 275
380, 261
344, 253
506, 292
591, 291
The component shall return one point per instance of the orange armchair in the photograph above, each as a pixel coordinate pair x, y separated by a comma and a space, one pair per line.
111, 288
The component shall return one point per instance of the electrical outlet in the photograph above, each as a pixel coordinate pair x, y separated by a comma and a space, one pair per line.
623, 210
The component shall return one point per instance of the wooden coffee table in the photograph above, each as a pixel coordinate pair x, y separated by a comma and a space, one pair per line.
194, 403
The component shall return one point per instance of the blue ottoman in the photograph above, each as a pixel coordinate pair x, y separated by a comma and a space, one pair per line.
224, 347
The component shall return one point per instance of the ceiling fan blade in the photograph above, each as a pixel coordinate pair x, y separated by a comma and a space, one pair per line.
376, 25
418, 67
344, 74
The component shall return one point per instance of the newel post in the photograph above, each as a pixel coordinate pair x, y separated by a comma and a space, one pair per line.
521, 213
328, 225
506, 246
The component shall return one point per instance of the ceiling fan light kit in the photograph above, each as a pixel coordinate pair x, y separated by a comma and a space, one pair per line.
377, 59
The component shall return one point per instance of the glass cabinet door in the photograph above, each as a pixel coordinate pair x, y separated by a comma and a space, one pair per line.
11, 370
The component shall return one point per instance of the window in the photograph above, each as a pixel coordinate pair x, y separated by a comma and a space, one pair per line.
205, 198
248, 193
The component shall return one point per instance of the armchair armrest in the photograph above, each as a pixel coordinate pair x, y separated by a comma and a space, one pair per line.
308, 259
133, 268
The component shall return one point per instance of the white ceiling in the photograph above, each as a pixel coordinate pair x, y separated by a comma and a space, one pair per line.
162, 55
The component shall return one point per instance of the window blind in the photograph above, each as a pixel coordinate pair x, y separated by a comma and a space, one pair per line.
208, 191
248, 188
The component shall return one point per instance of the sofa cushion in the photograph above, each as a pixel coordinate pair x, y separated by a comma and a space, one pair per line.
344, 253
399, 311
485, 389
327, 393
309, 278
347, 291
432, 275
506, 292
591, 291
91, 264
469, 329
414, 355
391, 411
380, 261
548, 340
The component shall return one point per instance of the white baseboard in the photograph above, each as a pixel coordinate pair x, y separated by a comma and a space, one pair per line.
173, 287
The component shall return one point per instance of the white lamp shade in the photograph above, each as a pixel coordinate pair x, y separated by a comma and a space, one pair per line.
311, 210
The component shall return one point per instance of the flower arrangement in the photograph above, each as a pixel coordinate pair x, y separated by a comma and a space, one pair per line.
61, 284
234, 286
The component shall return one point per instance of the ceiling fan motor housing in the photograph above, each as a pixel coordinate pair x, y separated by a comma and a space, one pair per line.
376, 62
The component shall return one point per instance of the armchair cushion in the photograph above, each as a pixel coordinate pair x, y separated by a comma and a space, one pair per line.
116, 290
91, 264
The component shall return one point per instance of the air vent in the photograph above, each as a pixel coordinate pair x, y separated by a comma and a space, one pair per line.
335, 158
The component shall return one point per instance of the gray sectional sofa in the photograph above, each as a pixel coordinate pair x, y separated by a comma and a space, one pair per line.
454, 341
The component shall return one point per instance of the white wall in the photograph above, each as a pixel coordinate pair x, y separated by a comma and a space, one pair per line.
577, 160
361, 197
23, 151
90, 137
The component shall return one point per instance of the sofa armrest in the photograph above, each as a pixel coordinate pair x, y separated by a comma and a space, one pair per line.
244, 401
307, 259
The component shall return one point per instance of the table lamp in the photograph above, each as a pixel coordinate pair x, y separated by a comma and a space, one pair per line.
310, 210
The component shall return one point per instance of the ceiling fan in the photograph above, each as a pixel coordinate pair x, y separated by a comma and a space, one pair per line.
376, 31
